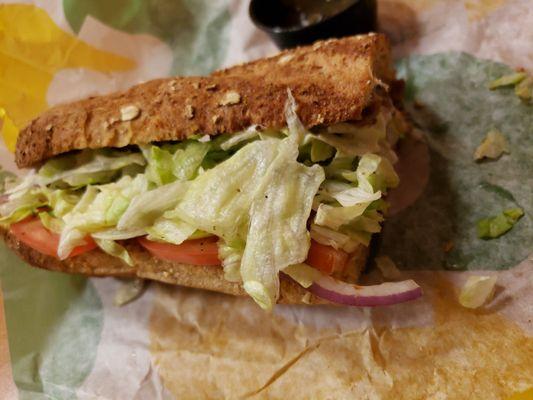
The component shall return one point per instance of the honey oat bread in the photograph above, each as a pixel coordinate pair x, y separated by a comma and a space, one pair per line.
266, 179
332, 81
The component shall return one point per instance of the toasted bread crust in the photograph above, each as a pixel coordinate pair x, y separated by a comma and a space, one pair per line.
332, 81
98, 263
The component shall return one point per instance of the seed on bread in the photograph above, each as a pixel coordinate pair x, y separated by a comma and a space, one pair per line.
129, 112
189, 111
230, 98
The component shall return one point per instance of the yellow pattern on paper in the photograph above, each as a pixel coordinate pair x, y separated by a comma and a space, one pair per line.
479, 9
32, 49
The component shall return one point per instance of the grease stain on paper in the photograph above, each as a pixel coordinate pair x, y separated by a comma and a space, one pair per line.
230, 349
32, 49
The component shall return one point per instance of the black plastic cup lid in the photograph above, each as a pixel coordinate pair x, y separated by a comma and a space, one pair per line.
288, 26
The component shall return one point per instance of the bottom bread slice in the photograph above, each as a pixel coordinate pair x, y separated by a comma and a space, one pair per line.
97, 263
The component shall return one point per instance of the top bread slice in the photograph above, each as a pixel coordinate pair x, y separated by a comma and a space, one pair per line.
332, 81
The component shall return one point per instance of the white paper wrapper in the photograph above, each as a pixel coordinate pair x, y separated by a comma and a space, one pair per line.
68, 340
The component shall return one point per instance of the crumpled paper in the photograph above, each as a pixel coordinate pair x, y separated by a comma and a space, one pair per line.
64, 338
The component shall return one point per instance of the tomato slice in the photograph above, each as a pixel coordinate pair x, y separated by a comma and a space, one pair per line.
326, 258
32, 233
195, 252
205, 252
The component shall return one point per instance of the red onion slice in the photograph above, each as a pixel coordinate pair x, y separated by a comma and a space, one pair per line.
387, 293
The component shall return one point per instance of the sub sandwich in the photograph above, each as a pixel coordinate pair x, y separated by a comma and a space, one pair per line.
266, 179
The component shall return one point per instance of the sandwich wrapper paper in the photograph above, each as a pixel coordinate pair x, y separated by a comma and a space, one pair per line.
61, 336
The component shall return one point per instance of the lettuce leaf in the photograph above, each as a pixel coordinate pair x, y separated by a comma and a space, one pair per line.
321, 151
21, 205
108, 205
374, 175
496, 226
237, 138
146, 207
295, 127
507, 80
303, 274
333, 238
354, 140
477, 290
186, 161
118, 234
231, 256
168, 163
100, 207
170, 231
160, 165
114, 249
87, 167
52, 224
278, 235
348, 195
61, 201
219, 199
334, 217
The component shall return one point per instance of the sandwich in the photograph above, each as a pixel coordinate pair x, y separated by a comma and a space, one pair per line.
267, 179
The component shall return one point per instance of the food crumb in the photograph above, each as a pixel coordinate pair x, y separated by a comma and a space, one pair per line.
493, 146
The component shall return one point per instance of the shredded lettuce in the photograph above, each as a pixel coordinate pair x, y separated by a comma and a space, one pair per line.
21, 205
160, 165
240, 137
278, 235
61, 201
146, 207
321, 151
118, 234
353, 140
477, 290
170, 230
231, 256
493, 227
294, 126
303, 274
55, 225
114, 249
100, 207
179, 162
218, 201
348, 195
507, 80
87, 167
333, 238
186, 161
108, 204
334, 217
354, 216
